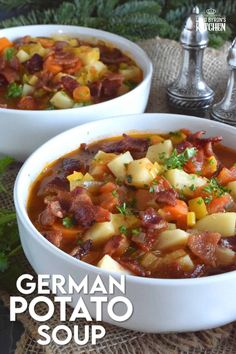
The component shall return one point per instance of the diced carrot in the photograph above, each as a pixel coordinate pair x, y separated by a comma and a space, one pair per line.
102, 214
107, 187
173, 213
73, 69
227, 175
81, 94
5, 43
50, 66
219, 204
108, 201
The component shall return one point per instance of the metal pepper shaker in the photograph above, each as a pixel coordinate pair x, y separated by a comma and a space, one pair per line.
225, 110
189, 93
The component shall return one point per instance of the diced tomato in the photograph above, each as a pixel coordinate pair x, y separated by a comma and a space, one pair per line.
227, 175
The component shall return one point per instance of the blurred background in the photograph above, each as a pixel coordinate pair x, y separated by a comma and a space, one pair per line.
135, 19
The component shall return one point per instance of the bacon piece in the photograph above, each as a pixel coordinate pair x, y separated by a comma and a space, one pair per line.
221, 269
174, 271
27, 103
69, 84
204, 245
34, 64
55, 185
55, 207
10, 75
128, 143
55, 237
46, 217
228, 242
3, 80
96, 89
45, 81
112, 56
168, 197
204, 143
134, 266
70, 165
151, 219
14, 63
182, 146
85, 214
116, 245
82, 250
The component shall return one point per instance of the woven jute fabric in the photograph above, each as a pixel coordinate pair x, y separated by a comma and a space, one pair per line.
166, 56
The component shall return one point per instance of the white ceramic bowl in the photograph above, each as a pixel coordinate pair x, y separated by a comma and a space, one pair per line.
23, 131
160, 305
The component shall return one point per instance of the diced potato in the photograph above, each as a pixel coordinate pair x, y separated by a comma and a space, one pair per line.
171, 226
224, 256
172, 256
183, 181
99, 67
191, 218
27, 90
77, 179
132, 73
100, 232
141, 172
118, 165
232, 189
160, 151
171, 239
22, 56
87, 54
186, 263
224, 223
198, 206
148, 259
32, 80
108, 263
61, 100
128, 221
103, 157
61, 37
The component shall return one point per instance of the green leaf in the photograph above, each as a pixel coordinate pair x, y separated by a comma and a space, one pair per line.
3, 262
14, 90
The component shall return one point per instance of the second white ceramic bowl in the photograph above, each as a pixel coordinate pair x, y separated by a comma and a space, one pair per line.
160, 305
21, 132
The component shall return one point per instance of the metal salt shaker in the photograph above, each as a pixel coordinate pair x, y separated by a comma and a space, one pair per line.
225, 110
190, 93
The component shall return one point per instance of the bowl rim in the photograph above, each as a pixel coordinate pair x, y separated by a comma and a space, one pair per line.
133, 45
25, 220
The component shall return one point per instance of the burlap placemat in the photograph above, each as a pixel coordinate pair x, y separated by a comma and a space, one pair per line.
166, 56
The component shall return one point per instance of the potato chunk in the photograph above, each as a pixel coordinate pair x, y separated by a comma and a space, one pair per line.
186, 263
224, 256
108, 263
119, 220
160, 151
224, 223
232, 189
171, 239
100, 232
141, 172
118, 165
183, 181
61, 100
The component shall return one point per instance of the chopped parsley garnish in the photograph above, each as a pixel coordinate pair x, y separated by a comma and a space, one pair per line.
192, 187
151, 189
14, 90
9, 53
207, 200
123, 229
122, 209
67, 222
215, 188
211, 161
114, 193
135, 232
178, 160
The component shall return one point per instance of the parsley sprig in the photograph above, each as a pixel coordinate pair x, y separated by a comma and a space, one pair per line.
214, 188
179, 160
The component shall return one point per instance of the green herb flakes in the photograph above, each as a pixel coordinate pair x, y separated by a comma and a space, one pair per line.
122, 209
9, 53
67, 222
123, 229
14, 90
178, 160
